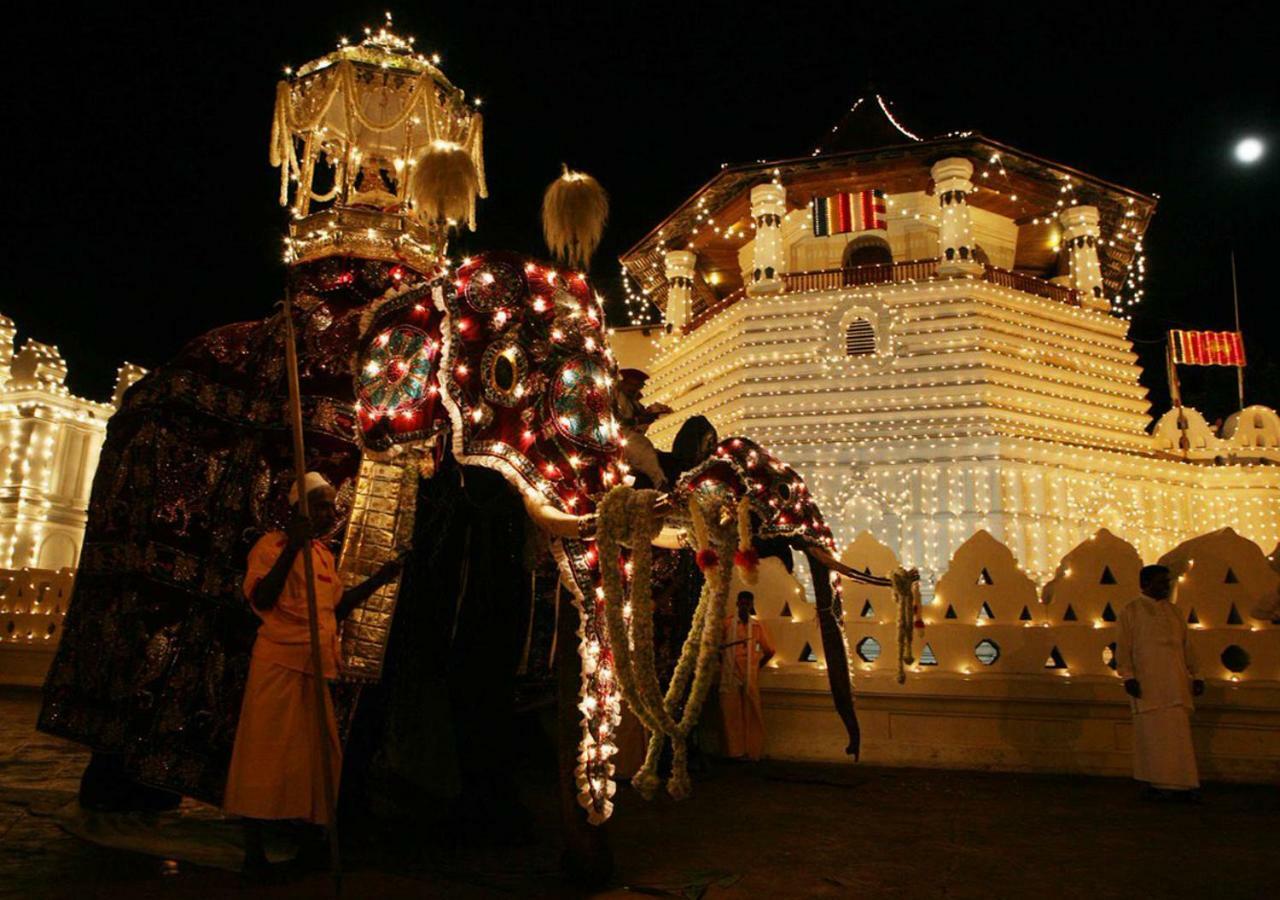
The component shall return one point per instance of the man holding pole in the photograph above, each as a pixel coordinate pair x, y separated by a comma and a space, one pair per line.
278, 766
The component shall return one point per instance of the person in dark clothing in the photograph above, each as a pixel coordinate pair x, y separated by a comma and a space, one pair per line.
694, 442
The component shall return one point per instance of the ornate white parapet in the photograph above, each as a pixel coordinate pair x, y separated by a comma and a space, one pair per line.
680, 267
768, 207
955, 225
126, 376
1080, 241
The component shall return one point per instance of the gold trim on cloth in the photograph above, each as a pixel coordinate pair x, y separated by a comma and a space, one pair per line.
381, 526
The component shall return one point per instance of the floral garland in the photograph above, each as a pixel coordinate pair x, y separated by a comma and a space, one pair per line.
906, 591
626, 518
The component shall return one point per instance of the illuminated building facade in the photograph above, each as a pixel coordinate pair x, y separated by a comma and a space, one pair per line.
935, 334
50, 451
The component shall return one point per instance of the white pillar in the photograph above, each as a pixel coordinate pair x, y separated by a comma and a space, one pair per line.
955, 225
768, 206
680, 266
126, 376
1080, 240
8, 331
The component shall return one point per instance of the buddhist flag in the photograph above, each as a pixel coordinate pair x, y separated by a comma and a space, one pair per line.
1206, 348
843, 213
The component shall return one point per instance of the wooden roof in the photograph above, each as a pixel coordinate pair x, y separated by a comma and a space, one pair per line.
722, 205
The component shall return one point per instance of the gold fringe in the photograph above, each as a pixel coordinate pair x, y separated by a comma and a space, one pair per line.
574, 211
445, 184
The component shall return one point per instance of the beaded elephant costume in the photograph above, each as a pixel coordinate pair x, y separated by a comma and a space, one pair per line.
783, 509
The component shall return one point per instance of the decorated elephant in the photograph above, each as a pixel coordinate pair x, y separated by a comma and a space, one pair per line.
451, 406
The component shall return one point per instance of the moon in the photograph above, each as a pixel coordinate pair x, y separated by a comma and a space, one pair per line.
1249, 150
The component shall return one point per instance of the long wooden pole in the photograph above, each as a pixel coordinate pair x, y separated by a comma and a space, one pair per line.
313, 612
1175, 393
1235, 302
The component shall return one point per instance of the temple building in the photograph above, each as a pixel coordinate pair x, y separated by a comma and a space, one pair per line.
935, 333
51, 443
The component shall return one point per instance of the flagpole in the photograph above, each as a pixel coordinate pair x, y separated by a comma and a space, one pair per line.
1235, 300
1175, 393
313, 612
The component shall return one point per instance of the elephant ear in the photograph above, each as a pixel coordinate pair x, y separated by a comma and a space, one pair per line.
397, 368
528, 379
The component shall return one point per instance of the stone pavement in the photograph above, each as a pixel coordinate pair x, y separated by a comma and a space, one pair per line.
775, 830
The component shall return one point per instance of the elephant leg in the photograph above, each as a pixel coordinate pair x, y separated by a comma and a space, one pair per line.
588, 858
833, 646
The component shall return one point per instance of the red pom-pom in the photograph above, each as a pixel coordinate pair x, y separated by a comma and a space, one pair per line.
747, 559
919, 623
707, 559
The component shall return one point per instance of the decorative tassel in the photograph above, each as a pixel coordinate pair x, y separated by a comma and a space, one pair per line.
574, 211
445, 184
749, 562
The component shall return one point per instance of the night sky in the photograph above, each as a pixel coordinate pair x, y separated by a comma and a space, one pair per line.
142, 209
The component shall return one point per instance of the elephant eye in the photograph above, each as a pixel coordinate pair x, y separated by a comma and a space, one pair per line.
784, 491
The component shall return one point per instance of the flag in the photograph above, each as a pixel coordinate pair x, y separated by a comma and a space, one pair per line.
1206, 348
843, 213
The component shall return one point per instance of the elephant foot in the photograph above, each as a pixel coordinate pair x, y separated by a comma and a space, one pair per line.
587, 860
107, 787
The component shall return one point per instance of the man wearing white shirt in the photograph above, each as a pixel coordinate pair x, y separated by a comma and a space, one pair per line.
1155, 659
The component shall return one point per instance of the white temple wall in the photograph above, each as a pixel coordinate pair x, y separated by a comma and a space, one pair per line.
1009, 677
996, 235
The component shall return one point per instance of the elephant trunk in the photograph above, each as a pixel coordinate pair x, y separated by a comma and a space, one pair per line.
833, 644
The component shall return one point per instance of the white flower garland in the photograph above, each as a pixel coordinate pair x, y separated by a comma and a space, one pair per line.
626, 518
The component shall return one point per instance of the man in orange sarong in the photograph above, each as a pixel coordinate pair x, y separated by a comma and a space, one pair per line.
745, 649
276, 770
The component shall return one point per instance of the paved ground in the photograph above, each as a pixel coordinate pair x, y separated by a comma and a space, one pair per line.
751, 831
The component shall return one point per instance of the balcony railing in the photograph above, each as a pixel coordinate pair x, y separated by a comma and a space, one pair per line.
891, 273
702, 316
876, 273
920, 270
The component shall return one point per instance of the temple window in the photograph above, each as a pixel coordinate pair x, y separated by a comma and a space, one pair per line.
859, 338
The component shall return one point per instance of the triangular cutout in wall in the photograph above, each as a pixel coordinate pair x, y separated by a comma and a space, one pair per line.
786, 610
867, 611
1055, 660
1070, 614
985, 612
1233, 617
927, 658
950, 613
1230, 577
984, 577
807, 654
1108, 614
1025, 615
1107, 577
1192, 618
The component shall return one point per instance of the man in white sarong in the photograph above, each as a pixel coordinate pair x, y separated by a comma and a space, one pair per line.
1155, 659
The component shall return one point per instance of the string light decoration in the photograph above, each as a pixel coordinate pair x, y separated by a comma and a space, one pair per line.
346, 132
51, 442
994, 399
